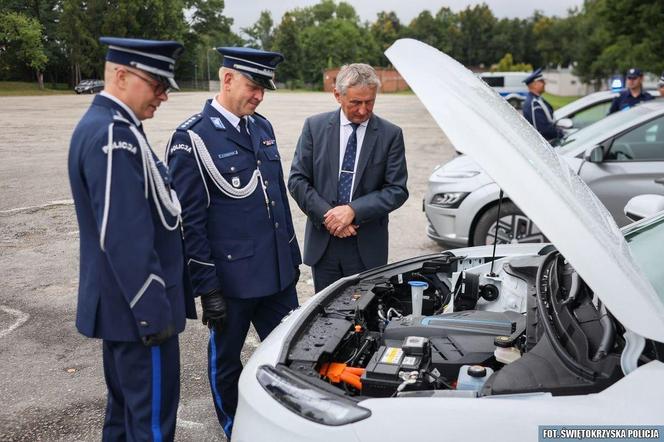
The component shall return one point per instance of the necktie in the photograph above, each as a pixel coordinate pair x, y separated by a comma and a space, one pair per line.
243, 127
345, 186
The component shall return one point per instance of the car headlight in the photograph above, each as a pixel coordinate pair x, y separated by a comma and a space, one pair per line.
449, 200
457, 175
306, 400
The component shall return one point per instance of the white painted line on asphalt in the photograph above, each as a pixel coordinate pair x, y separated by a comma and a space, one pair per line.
185, 423
20, 319
40, 206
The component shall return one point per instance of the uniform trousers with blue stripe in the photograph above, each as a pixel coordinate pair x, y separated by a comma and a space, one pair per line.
225, 348
143, 390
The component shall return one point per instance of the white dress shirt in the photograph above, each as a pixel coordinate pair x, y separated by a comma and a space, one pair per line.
131, 113
230, 116
345, 131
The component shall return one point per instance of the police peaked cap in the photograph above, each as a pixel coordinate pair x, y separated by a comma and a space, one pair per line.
254, 64
535, 75
156, 57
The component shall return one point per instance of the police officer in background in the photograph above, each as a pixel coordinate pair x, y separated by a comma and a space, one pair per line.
660, 85
633, 93
240, 242
537, 110
133, 292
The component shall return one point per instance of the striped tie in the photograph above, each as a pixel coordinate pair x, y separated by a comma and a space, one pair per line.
348, 168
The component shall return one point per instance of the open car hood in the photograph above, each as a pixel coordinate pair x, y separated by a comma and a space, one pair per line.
483, 125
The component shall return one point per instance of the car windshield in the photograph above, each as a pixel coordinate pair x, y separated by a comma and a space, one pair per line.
645, 243
603, 126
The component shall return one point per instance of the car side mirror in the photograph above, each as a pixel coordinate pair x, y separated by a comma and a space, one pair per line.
594, 154
565, 123
643, 206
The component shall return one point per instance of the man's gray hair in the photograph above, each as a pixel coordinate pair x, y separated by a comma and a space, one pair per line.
356, 74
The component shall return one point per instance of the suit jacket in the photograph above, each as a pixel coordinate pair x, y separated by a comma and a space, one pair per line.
132, 278
379, 187
246, 246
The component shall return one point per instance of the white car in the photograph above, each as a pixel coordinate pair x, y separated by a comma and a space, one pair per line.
570, 333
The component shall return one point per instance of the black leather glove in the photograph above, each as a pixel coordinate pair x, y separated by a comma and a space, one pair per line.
158, 338
214, 309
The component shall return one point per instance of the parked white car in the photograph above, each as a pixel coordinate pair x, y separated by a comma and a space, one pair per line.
570, 333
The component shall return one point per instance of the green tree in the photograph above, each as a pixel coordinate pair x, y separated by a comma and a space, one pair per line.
385, 31
77, 40
476, 26
21, 38
287, 41
506, 64
424, 28
261, 33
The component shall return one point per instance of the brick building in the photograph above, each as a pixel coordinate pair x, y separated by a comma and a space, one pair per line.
390, 80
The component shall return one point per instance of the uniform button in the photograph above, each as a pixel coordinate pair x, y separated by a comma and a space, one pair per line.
229, 257
258, 163
273, 204
143, 323
232, 168
266, 182
276, 225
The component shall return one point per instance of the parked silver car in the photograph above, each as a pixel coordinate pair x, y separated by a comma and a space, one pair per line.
619, 157
586, 110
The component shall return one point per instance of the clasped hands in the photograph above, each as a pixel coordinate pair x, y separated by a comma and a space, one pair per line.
339, 221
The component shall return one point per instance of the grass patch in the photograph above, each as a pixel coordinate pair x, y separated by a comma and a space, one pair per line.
16, 88
558, 101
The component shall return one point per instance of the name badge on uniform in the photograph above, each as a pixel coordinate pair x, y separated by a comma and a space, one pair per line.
227, 154
269, 142
236, 182
216, 122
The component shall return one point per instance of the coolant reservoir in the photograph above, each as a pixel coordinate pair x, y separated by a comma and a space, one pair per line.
505, 352
473, 377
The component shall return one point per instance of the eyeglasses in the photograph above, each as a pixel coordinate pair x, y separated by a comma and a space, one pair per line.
159, 87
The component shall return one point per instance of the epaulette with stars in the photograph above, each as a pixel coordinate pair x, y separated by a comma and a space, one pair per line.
190, 122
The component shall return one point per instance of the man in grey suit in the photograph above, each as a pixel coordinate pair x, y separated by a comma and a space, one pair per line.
349, 172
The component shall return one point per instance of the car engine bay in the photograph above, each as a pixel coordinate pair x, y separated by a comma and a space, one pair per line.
529, 325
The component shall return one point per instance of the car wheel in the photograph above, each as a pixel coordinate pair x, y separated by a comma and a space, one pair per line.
513, 227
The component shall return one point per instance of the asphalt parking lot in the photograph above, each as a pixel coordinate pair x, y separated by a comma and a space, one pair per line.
51, 383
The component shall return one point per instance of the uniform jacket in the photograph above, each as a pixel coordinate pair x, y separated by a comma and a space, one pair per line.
539, 113
625, 100
246, 246
379, 187
132, 281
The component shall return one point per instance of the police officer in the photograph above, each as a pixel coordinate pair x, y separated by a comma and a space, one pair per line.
660, 85
241, 249
633, 93
537, 110
133, 293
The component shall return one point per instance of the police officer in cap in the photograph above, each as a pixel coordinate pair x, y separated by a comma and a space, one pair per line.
133, 290
537, 110
633, 93
241, 249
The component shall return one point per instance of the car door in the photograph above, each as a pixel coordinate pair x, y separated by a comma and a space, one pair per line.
633, 162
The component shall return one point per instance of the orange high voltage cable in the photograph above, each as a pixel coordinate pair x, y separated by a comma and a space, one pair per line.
340, 372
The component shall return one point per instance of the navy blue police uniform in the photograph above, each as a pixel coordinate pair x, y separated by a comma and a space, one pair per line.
133, 287
238, 230
539, 112
625, 99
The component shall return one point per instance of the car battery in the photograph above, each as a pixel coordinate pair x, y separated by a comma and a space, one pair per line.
382, 375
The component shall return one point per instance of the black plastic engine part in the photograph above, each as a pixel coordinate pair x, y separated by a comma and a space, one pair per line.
321, 337
381, 378
468, 294
356, 297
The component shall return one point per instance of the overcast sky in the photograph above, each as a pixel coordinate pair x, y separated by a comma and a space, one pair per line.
246, 12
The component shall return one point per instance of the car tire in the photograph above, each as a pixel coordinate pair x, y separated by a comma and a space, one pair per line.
511, 219
516, 103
